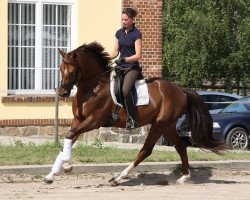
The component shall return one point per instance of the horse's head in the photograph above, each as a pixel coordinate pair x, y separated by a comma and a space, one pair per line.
69, 72
82, 65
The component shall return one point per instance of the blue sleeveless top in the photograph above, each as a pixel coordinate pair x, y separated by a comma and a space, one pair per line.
127, 44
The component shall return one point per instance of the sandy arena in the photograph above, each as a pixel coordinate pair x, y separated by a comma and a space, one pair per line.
205, 184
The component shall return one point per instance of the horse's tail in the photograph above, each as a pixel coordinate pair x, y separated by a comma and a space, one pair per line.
201, 123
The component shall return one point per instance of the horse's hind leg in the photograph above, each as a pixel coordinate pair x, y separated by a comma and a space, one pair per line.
181, 148
146, 151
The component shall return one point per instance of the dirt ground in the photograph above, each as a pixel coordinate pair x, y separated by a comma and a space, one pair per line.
205, 184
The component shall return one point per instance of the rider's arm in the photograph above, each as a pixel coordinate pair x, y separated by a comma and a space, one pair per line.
115, 52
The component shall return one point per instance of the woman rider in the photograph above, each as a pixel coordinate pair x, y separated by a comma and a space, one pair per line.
128, 46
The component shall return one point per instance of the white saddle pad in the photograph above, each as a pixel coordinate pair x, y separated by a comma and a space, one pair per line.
142, 93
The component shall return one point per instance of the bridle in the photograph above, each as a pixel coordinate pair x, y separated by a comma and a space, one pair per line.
68, 86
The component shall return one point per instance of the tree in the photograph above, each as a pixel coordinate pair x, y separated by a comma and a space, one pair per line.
207, 42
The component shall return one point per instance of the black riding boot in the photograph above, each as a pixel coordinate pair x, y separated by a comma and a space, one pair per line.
130, 110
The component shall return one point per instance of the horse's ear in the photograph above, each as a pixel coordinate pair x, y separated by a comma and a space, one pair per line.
62, 52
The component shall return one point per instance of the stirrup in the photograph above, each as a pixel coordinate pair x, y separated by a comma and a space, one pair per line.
130, 123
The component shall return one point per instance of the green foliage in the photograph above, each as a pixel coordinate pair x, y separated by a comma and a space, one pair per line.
98, 143
207, 42
18, 143
90, 154
28, 154
31, 154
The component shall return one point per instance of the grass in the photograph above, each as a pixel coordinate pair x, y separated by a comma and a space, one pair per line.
31, 154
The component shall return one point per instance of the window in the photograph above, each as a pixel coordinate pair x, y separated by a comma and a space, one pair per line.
36, 30
214, 102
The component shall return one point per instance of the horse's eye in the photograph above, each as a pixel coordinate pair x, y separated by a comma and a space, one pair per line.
71, 74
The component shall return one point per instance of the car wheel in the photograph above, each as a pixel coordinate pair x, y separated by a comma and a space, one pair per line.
237, 138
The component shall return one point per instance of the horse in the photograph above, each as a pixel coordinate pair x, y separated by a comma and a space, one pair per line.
88, 67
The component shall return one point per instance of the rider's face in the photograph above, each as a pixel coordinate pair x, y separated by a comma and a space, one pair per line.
126, 21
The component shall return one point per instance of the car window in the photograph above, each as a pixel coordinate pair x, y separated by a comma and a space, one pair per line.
247, 106
237, 107
206, 99
215, 102
221, 98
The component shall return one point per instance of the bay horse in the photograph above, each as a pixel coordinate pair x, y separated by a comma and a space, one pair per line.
88, 67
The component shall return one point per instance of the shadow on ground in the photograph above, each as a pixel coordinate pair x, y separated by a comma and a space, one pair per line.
199, 176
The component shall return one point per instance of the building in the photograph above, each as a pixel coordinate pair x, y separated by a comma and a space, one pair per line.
31, 33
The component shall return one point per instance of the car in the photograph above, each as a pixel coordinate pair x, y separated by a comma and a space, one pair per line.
215, 102
232, 124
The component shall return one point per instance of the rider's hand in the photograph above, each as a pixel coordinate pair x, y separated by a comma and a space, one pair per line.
120, 61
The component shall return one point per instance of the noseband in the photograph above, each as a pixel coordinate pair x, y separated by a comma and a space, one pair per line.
69, 86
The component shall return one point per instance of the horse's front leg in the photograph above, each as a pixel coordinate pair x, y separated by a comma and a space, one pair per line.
65, 154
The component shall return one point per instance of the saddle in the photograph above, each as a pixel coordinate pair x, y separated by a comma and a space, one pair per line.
117, 78
118, 81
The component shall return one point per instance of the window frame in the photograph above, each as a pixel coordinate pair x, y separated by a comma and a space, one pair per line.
38, 41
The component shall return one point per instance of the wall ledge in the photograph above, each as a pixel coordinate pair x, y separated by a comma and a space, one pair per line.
33, 122
32, 98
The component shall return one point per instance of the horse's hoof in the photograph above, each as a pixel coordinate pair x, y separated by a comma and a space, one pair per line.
112, 179
113, 182
180, 181
68, 168
48, 180
183, 179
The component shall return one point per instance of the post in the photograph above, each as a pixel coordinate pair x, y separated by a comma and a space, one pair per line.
56, 114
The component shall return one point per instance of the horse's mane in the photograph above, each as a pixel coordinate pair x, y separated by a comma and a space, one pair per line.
97, 50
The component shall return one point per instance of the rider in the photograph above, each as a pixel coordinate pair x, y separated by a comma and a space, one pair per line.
129, 45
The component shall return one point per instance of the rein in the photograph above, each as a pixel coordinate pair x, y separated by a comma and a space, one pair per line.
70, 85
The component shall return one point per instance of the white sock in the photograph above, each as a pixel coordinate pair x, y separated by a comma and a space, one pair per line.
58, 163
67, 146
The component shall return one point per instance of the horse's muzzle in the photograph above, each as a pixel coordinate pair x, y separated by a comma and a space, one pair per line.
64, 92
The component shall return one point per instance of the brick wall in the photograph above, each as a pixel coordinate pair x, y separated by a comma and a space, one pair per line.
149, 21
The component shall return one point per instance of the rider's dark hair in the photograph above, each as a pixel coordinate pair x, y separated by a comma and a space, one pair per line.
130, 12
